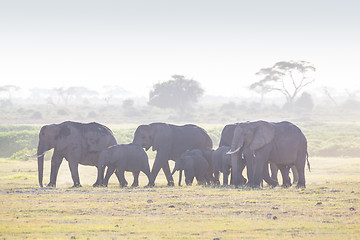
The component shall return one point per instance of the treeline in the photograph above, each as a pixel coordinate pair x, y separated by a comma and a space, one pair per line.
324, 139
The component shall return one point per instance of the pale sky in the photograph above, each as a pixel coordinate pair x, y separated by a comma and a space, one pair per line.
137, 43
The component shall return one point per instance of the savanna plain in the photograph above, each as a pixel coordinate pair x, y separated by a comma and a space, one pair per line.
328, 208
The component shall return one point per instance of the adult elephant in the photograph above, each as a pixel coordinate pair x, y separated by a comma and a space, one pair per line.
261, 142
170, 141
226, 139
78, 143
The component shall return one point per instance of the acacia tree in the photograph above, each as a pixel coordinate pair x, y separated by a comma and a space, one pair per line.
288, 78
178, 93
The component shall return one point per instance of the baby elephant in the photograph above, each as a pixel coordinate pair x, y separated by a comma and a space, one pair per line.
194, 164
222, 163
124, 157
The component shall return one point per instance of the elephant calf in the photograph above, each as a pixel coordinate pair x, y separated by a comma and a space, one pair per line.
124, 157
194, 164
221, 162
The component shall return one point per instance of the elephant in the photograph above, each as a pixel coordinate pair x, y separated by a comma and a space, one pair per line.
194, 164
124, 157
260, 142
78, 143
221, 162
170, 141
225, 140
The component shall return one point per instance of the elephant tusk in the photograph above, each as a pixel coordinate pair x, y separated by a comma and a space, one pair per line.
232, 152
36, 156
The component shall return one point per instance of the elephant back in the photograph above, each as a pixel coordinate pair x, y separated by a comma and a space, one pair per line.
96, 137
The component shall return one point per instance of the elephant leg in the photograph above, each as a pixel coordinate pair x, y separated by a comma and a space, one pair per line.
123, 183
258, 171
161, 160
189, 177
250, 166
274, 171
295, 174
216, 175
261, 158
74, 169
201, 180
235, 179
56, 161
180, 177
285, 175
136, 179
267, 177
109, 172
100, 178
166, 169
148, 174
117, 174
226, 172
301, 171
241, 166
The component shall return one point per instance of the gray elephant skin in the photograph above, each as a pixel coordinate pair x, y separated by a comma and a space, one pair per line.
124, 157
78, 143
170, 141
194, 164
226, 138
261, 142
227, 135
221, 162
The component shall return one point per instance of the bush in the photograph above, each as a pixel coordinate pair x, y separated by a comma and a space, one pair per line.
12, 142
21, 155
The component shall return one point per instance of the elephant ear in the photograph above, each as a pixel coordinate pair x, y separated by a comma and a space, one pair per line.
264, 133
161, 135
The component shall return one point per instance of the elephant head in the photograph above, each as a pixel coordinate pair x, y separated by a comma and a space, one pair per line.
227, 134
249, 137
49, 138
252, 135
104, 160
152, 135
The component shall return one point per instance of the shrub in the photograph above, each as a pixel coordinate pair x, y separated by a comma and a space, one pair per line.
12, 142
21, 155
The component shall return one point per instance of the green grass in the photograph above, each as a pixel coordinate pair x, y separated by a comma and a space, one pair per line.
327, 209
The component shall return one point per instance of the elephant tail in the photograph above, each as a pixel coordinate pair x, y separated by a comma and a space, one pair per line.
307, 160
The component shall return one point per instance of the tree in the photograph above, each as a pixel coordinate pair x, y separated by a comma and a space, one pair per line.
178, 93
111, 92
76, 93
9, 89
288, 78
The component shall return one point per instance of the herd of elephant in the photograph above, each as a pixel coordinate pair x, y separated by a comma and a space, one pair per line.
254, 145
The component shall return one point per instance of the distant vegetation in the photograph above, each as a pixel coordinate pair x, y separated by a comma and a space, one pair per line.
333, 139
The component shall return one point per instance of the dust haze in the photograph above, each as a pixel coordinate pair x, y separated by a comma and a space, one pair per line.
100, 61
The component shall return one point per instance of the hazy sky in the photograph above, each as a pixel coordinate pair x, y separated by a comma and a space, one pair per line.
137, 43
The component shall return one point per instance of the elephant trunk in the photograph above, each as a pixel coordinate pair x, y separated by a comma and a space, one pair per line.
40, 156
